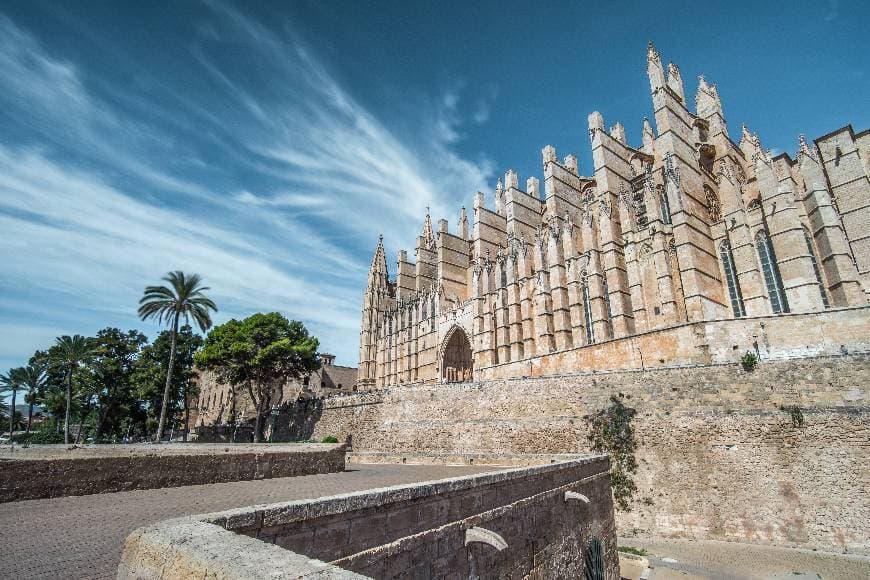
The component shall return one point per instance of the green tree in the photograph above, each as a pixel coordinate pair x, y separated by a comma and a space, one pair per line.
115, 356
259, 353
151, 368
70, 353
11, 382
34, 380
184, 299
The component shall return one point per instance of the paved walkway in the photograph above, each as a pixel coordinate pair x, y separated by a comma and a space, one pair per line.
82, 537
690, 559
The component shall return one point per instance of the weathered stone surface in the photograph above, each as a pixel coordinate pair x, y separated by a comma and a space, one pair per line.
687, 226
55, 470
416, 530
717, 456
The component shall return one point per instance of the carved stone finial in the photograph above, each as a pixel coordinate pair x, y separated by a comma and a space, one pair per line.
549, 154
651, 53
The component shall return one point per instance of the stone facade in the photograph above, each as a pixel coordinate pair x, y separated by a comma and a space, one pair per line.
218, 403
687, 227
720, 456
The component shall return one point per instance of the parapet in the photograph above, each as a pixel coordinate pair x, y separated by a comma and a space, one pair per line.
418, 530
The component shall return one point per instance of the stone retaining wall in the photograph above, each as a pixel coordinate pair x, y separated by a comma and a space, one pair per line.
524, 522
54, 470
718, 457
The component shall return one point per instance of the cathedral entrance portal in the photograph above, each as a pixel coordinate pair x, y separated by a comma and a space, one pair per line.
456, 357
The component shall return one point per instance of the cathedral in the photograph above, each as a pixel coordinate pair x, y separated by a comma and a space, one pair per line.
686, 228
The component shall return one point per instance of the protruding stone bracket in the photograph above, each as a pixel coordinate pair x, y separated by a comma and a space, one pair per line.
569, 495
485, 536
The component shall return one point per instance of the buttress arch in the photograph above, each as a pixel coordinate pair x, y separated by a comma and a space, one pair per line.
456, 358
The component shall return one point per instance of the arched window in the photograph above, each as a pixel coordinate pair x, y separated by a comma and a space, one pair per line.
816, 270
587, 312
731, 279
664, 205
770, 269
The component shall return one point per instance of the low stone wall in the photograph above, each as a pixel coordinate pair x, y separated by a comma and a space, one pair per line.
719, 454
54, 470
525, 522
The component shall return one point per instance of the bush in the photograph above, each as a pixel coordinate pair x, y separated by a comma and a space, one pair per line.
330, 439
749, 361
40, 437
797, 416
610, 432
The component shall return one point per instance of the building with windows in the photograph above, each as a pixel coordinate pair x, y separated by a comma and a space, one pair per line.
690, 247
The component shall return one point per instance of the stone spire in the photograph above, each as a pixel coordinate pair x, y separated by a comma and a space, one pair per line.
654, 68
805, 147
427, 234
378, 270
463, 224
649, 136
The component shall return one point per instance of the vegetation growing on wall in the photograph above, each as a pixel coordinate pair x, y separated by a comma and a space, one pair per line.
749, 361
797, 416
610, 432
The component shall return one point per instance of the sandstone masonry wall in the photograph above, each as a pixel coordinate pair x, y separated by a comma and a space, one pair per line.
49, 473
718, 458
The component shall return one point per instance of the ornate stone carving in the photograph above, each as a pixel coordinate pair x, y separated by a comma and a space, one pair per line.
714, 206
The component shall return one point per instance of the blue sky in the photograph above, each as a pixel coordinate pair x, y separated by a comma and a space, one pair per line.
266, 147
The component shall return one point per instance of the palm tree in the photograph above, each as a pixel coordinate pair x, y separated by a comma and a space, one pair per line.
11, 382
68, 353
34, 379
184, 298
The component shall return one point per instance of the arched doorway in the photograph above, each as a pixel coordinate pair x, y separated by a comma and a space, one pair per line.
456, 357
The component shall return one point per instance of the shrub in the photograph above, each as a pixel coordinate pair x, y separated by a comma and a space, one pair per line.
797, 416
610, 432
40, 437
749, 361
630, 550
330, 439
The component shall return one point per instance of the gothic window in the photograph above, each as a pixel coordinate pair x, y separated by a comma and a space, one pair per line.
816, 270
306, 381
665, 206
714, 206
731, 280
587, 312
504, 275
607, 304
770, 269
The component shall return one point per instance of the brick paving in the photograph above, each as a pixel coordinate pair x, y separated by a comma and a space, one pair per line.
692, 559
82, 537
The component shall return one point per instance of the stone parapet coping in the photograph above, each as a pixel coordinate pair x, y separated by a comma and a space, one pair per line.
206, 545
294, 511
52, 452
190, 548
424, 458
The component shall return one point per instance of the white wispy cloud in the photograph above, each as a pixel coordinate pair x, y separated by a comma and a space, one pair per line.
270, 198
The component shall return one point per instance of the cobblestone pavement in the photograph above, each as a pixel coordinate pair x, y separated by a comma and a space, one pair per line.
690, 559
82, 537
